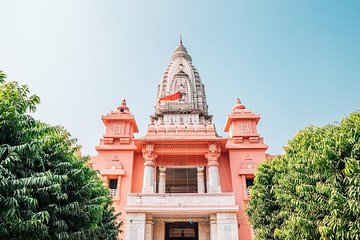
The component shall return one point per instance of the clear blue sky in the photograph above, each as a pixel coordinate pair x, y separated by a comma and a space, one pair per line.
294, 62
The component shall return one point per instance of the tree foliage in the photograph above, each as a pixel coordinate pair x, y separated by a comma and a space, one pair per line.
47, 191
312, 191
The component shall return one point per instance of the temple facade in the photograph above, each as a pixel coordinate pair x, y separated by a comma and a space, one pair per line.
181, 180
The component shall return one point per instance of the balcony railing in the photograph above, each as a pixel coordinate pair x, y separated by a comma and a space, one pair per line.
181, 202
113, 192
176, 106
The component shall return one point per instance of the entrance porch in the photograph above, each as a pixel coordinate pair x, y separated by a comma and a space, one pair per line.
181, 216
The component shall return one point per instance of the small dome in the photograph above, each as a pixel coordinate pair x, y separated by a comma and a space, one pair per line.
181, 51
191, 128
171, 128
210, 127
152, 127
181, 128
123, 108
161, 128
181, 48
201, 128
238, 104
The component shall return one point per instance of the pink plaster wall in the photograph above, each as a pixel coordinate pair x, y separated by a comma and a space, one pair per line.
225, 173
126, 158
238, 159
138, 172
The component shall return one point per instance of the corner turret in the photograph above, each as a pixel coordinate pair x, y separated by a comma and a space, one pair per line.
120, 128
241, 125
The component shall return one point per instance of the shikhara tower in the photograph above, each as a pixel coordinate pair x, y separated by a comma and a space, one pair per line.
181, 75
181, 180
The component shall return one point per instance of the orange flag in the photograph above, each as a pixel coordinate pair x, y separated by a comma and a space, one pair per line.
171, 97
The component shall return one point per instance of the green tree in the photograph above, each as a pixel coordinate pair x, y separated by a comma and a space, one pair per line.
263, 198
47, 191
313, 190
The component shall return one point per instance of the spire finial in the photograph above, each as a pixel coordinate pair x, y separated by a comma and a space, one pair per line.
123, 108
180, 40
238, 104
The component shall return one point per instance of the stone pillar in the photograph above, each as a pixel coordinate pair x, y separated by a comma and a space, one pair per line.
135, 226
213, 168
227, 227
148, 227
159, 230
149, 169
162, 179
200, 179
214, 182
149, 173
213, 227
204, 230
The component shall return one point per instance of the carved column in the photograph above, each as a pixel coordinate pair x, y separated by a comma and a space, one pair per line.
162, 179
149, 169
228, 229
213, 168
200, 179
135, 226
213, 227
148, 227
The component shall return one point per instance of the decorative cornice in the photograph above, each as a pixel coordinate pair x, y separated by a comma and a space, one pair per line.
181, 145
181, 219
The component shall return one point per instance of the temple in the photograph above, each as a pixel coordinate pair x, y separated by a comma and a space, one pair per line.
182, 180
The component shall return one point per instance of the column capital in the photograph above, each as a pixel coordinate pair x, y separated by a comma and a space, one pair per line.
213, 167
213, 154
148, 151
213, 218
200, 169
149, 155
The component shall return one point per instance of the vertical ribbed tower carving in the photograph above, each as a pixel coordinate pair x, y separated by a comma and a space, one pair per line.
181, 75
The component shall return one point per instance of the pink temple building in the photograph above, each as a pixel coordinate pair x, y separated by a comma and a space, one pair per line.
181, 180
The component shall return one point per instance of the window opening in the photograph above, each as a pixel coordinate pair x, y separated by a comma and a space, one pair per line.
181, 180
249, 184
113, 186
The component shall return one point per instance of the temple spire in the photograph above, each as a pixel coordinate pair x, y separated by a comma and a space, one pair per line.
181, 93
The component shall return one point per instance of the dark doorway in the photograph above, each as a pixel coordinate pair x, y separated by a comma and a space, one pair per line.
181, 231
